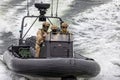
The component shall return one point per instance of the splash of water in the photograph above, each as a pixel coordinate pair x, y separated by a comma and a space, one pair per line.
98, 36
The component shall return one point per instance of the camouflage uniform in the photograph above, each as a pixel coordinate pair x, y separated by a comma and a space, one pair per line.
41, 34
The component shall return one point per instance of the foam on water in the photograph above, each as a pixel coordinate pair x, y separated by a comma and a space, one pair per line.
3, 70
98, 36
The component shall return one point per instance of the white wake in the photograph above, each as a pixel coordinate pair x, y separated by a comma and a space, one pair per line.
97, 35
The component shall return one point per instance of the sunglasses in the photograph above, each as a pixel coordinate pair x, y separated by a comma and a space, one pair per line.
64, 27
47, 26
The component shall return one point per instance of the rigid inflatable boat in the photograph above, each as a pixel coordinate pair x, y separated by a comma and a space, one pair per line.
57, 56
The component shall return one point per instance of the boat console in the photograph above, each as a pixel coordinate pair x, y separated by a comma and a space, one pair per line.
58, 45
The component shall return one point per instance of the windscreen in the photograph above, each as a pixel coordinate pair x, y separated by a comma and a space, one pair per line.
32, 25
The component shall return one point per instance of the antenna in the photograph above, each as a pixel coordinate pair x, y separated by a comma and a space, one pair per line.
57, 8
52, 9
27, 8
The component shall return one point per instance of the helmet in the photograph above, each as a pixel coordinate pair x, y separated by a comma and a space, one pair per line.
46, 24
64, 24
53, 27
64, 27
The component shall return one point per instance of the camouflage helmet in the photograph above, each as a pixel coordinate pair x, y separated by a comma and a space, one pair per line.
53, 27
46, 24
64, 24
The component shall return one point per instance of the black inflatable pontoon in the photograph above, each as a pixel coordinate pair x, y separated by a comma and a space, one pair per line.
53, 67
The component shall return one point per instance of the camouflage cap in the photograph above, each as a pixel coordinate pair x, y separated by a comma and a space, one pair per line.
64, 24
46, 24
54, 27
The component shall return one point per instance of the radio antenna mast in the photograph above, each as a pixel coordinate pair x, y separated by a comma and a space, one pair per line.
27, 8
52, 9
57, 8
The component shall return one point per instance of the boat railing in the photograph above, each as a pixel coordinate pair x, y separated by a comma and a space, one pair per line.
23, 22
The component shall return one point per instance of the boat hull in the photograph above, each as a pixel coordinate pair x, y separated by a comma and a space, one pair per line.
52, 67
